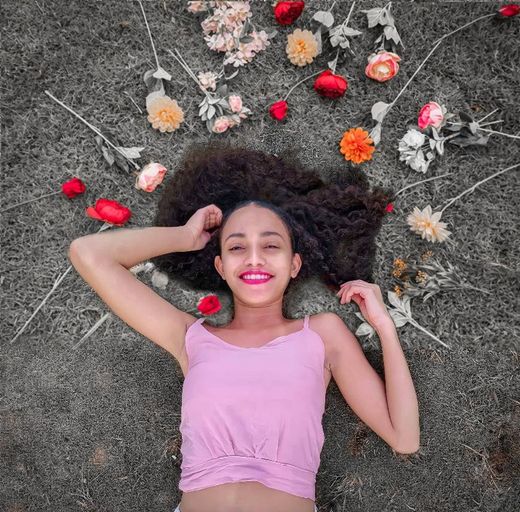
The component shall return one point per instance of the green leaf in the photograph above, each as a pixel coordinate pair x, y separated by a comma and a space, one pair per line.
473, 127
391, 33
325, 18
211, 111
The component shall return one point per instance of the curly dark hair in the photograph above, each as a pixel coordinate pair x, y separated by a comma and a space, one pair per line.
333, 226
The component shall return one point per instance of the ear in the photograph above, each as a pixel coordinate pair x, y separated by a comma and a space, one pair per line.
296, 264
218, 265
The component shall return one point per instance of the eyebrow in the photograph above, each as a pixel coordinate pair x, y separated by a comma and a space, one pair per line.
263, 233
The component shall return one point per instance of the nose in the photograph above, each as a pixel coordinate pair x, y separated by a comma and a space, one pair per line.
255, 257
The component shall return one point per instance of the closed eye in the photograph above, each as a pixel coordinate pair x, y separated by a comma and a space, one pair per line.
238, 247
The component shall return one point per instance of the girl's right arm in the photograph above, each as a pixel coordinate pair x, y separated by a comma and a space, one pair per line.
103, 261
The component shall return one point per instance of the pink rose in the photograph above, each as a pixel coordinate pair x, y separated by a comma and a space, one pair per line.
430, 115
382, 66
235, 103
221, 124
151, 175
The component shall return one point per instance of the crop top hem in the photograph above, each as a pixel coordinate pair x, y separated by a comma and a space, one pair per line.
274, 474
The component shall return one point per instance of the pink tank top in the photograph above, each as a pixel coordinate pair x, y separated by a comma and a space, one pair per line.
253, 414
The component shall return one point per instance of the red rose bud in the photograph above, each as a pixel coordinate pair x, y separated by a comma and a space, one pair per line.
509, 10
209, 305
109, 211
278, 110
288, 12
73, 187
389, 208
330, 85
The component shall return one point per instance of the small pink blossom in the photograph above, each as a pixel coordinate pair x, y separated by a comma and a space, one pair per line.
430, 114
151, 175
221, 124
235, 103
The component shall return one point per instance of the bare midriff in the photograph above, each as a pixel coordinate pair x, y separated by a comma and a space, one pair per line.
243, 497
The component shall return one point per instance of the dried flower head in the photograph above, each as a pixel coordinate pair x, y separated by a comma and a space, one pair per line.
164, 114
301, 47
428, 225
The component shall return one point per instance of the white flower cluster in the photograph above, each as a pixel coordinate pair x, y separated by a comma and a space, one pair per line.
411, 152
226, 30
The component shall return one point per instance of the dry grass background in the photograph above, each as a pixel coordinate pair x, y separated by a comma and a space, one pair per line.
97, 428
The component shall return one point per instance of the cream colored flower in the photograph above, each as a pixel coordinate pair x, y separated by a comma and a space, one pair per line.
164, 113
428, 225
301, 47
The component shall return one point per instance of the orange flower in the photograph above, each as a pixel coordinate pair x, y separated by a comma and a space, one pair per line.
356, 145
164, 113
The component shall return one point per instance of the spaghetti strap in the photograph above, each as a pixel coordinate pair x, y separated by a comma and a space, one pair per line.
306, 322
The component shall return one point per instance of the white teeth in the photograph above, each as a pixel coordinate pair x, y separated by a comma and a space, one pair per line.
255, 276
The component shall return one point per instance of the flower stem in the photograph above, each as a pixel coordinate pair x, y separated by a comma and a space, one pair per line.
150, 35
473, 187
300, 82
186, 68
29, 201
464, 26
437, 43
422, 181
93, 128
492, 131
414, 323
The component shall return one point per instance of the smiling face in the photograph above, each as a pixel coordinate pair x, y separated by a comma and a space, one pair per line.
255, 240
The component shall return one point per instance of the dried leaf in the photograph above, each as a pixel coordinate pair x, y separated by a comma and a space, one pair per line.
325, 18
379, 111
162, 74
133, 152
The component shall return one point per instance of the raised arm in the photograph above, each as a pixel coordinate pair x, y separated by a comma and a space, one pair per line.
103, 260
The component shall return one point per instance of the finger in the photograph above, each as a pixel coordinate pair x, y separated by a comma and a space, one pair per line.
356, 290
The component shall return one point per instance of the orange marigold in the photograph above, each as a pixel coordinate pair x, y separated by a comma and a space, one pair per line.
356, 145
164, 114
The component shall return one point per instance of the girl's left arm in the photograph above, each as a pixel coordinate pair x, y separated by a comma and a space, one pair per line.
402, 401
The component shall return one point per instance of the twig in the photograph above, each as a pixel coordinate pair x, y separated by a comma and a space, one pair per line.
54, 286
473, 187
29, 201
464, 26
422, 181
150, 35
93, 128
300, 82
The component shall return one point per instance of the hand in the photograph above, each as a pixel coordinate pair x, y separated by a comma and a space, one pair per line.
369, 299
203, 219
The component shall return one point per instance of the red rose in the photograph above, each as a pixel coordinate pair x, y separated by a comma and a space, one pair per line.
278, 110
389, 208
73, 187
330, 85
288, 12
509, 10
109, 211
209, 305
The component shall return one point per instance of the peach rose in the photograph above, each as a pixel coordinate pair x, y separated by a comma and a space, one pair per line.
235, 103
151, 175
221, 124
382, 66
430, 115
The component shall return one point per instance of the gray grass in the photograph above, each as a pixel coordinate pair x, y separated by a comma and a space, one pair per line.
96, 429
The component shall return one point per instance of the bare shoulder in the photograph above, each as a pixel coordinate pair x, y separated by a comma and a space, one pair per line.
326, 324
332, 330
